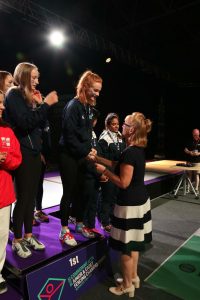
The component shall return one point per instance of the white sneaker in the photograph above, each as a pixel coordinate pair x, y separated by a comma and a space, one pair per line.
67, 238
21, 249
32, 242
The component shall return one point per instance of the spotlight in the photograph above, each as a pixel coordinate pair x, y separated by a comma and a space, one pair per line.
108, 60
57, 38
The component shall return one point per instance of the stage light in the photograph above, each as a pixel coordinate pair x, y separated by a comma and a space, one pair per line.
57, 38
108, 60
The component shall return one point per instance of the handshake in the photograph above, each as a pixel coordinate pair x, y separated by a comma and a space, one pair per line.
92, 155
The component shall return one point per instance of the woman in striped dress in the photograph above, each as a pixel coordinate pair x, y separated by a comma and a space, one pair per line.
131, 224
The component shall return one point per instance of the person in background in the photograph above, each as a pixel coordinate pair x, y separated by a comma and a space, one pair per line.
75, 149
131, 222
111, 144
193, 156
92, 183
26, 112
10, 159
6, 81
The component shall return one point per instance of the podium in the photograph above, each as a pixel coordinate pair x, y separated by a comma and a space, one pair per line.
60, 271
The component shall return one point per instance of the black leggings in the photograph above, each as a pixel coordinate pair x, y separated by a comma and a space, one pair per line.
72, 172
26, 182
91, 197
107, 200
38, 199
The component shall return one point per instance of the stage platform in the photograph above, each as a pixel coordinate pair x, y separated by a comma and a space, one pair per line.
58, 265
60, 270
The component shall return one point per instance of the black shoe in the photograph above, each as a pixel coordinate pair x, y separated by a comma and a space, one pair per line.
3, 287
41, 216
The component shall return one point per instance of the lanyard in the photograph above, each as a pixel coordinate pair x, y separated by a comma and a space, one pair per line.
115, 141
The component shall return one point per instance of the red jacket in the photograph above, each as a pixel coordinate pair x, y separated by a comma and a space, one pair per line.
9, 144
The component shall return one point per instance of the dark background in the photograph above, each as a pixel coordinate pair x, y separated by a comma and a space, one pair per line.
161, 78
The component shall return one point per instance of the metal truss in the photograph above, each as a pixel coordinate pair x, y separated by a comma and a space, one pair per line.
39, 15
165, 8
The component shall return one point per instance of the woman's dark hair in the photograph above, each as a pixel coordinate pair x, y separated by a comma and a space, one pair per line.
109, 119
2, 122
3, 75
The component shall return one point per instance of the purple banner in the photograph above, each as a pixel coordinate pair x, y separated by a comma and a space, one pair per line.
69, 276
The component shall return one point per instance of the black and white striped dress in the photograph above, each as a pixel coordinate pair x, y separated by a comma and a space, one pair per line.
131, 223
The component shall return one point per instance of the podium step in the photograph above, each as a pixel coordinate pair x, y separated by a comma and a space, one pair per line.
60, 269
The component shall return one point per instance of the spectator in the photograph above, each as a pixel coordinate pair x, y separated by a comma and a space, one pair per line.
10, 159
193, 156
111, 144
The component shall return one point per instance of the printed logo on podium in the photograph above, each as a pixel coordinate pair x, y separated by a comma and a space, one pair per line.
52, 289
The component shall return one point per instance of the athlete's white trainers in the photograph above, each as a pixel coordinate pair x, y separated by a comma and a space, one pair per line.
21, 249
32, 242
67, 238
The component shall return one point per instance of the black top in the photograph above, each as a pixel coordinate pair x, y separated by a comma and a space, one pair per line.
91, 169
135, 193
192, 146
46, 139
76, 129
25, 121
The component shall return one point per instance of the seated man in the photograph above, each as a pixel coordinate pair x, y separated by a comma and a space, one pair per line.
193, 154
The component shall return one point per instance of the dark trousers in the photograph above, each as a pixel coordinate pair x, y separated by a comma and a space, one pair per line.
26, 183
72, 172
91, 197
108, 198
39, 196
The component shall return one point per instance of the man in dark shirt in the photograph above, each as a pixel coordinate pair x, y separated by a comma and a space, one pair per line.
193, 153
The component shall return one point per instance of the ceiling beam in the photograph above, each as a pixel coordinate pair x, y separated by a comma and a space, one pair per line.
39, 15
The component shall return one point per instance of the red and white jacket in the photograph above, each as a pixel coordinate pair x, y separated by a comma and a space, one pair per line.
9, 144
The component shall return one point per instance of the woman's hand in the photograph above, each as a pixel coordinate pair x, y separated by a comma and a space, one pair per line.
92, 155
93, 152
51, 98
100, 168
37, 97
103, 178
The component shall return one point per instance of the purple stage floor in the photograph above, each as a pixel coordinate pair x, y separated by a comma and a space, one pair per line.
47, 233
